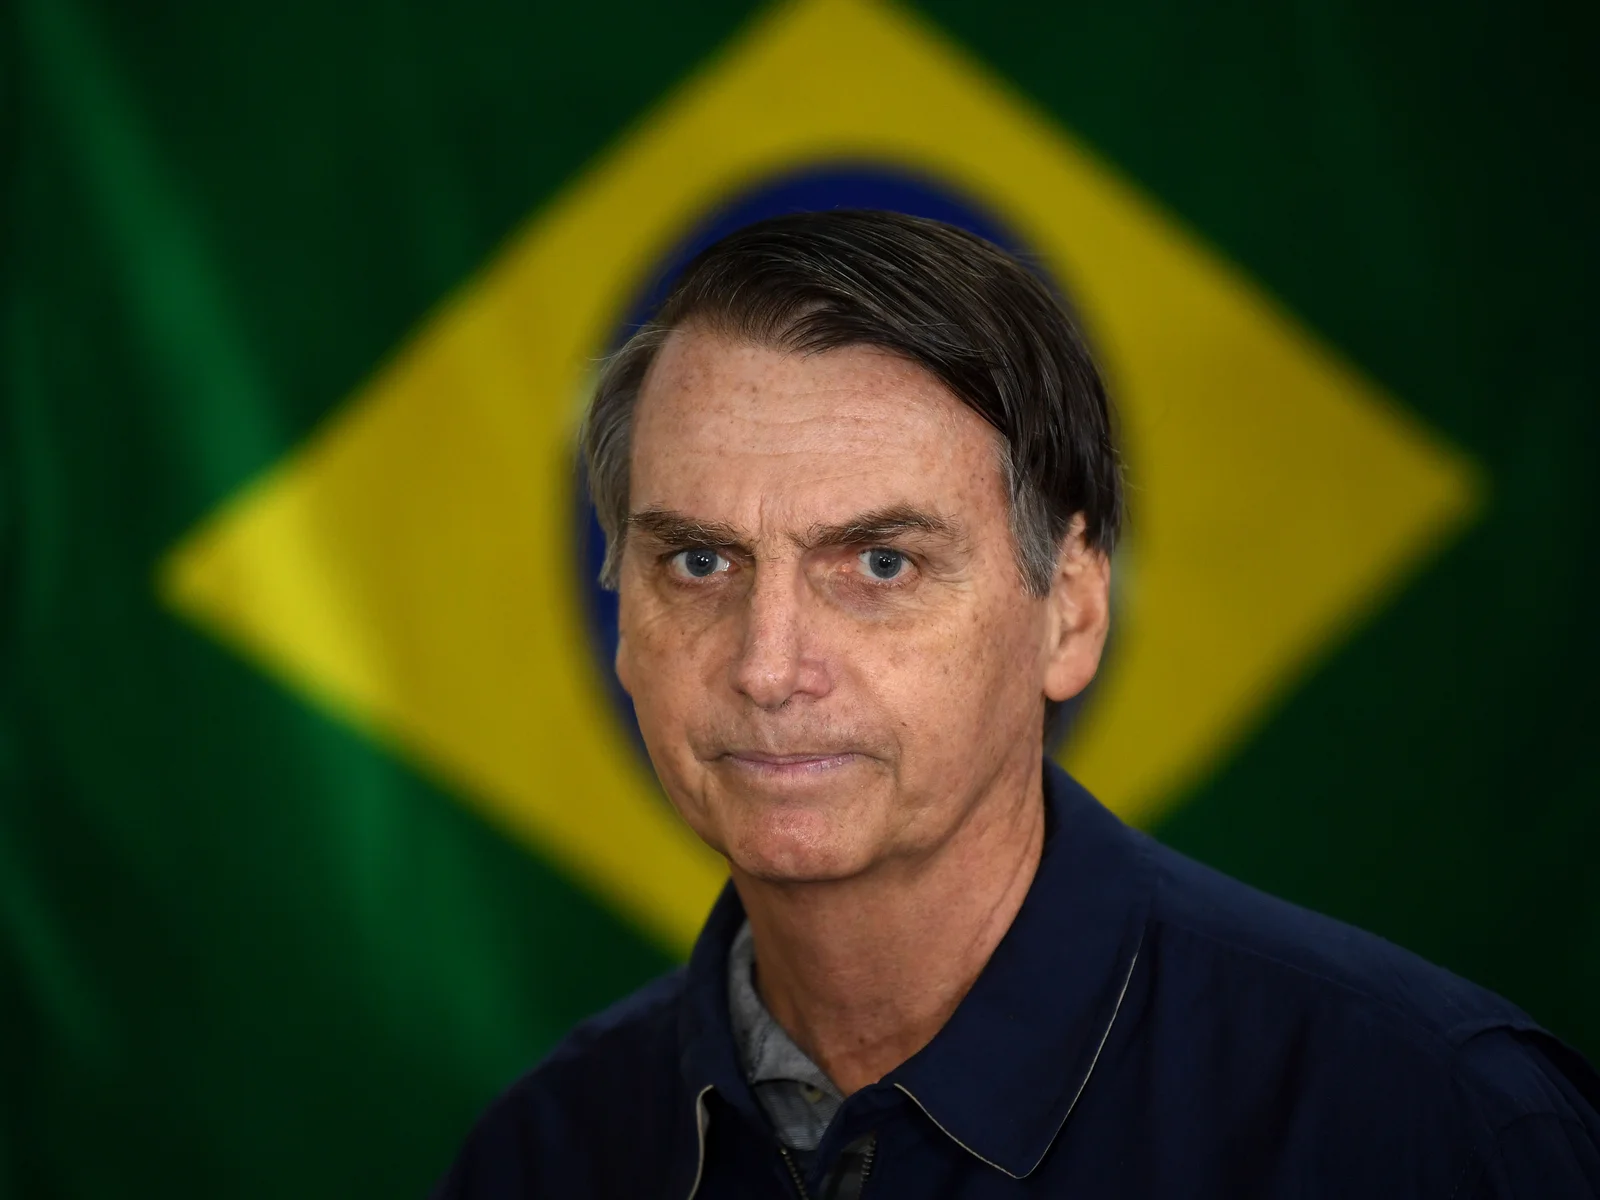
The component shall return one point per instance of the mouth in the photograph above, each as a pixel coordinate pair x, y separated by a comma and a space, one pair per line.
788, 766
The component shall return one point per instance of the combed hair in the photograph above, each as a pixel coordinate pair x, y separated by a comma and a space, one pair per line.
955, 304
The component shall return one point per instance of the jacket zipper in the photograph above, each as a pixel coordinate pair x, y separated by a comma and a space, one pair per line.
867, 1156
794, 1173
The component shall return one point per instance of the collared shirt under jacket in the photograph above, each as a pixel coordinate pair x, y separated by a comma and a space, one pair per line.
1146, 1028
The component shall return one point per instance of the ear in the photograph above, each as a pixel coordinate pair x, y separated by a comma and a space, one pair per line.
623, 664
1079, 608
622, 661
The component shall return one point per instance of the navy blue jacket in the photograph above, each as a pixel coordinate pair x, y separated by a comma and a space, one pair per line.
1147, 1028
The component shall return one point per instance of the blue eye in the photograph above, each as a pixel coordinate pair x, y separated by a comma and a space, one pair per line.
699, 563
884, 564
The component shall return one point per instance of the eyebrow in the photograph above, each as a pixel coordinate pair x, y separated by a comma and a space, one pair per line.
674, 528
881, 525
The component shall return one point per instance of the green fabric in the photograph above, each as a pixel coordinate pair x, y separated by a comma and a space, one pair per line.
244, 952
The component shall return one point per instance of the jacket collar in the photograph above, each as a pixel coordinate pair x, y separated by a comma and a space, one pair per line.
1002, 1076
709, 1056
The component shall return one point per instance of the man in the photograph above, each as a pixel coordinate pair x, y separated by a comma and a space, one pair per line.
859, 489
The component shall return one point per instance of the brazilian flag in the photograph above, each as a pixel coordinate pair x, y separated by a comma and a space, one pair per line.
320, 814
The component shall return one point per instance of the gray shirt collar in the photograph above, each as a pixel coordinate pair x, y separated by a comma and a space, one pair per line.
797, 1096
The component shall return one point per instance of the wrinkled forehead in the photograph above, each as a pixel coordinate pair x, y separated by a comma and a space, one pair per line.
732, 431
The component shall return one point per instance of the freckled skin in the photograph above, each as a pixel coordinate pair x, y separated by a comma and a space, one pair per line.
932, 684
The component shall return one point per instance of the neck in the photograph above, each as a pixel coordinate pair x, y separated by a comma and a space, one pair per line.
862, 972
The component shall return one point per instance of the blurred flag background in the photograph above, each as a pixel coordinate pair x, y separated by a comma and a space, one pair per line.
320, 815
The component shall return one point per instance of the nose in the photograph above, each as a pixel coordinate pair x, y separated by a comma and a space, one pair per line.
776, 659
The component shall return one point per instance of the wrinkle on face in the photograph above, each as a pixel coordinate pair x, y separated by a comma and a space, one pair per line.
791, 466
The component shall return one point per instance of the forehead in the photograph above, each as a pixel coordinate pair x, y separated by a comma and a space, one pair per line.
733, 431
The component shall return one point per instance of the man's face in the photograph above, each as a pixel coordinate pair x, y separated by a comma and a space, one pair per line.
830, 648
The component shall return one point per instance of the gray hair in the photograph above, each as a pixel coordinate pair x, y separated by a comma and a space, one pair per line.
967, 311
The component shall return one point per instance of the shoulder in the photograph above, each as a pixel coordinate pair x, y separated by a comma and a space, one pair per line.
563, 1127
1533, 1105
1360, 1034
640, 1028
1217, 923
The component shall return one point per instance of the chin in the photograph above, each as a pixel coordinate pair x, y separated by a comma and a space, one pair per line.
790, 848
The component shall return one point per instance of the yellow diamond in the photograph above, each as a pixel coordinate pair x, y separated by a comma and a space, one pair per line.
401, 567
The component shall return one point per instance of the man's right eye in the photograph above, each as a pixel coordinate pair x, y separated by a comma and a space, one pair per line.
699, 563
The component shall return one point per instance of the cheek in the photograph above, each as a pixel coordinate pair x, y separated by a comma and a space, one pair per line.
643, 656
665, 698
666, 658
973, 678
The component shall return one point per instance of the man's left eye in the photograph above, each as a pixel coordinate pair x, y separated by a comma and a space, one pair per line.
884, 564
